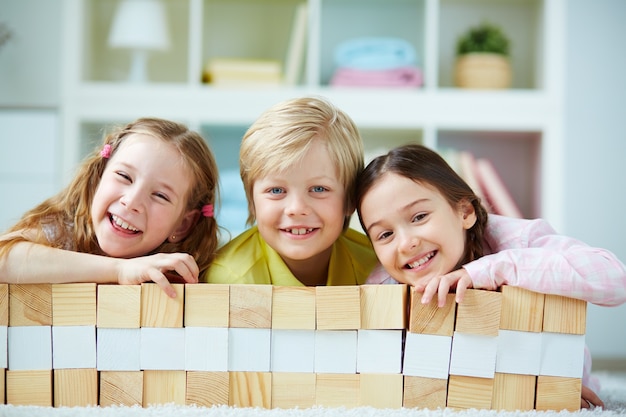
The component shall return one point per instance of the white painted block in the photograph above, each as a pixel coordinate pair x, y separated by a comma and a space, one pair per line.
518, 352
206, 349
427, 355
562, 354
73, 347
379, 351
249, 349
4, 347
335, 351
162, 349
30, 348
293, 351
118, 349
473, 355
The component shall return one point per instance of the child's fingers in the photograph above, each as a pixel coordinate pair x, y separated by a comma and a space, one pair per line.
159, 278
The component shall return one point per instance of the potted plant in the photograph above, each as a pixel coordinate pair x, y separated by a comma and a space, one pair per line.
483, 58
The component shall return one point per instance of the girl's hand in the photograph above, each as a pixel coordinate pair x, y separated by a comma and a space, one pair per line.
589, 398
459, 280
156, 267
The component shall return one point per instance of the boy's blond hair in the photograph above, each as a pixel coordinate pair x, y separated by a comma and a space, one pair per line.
283, 134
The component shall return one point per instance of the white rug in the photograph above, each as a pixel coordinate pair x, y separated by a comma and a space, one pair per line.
613, 393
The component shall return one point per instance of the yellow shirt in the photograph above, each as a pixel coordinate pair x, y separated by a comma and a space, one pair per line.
248, 259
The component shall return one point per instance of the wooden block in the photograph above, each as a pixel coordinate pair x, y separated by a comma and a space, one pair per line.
29, 387
4, 347
162, 348
466, 392
121, 388
206, 349
384, 306
207, 305
250, 389
429, 318
473, 355
338, 308
558, 393
30, 304
291, 390
75, 387
427, 356
251, 306
422, 392
381, 390
249, 350
519, 352
292, 350
4, 304
163, 387
119, 306
370, 344
74, 304
118, 349
207, 389
293, 308
564, 315
479, 313
337, 390
30, 348
160, 310
522, 310
74, 347
562, 354
513, 392
335, 351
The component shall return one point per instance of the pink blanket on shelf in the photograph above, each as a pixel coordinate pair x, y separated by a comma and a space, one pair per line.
395, 77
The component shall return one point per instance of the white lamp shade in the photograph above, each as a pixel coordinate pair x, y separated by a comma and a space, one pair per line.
140, 24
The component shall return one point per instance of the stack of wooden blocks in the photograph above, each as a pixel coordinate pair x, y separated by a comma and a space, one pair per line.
283, 347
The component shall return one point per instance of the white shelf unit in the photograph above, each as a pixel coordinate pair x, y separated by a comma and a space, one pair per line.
520, 129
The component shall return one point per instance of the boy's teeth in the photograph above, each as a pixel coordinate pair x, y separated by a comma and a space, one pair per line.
300, 231
421, 261
121, 223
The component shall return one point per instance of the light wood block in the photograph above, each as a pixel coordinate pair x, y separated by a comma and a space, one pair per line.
371, 344
292, 350
473, 355
251, 306
427, 356
121, 388
338, 308
207, 305
564, 315
74, 304
429, 318
562, 354
335, 351
522, 310
163, 387
4, 304
160, 310
338, 390
381, 390
519, 352
119, 306
513, 392
30, 304
384, 306
466, 392
75, 387
29, 387
293, 308
249, 349
74, 347
558, 393
206, 349
250, 389
479, 313
422, 392
30, 348
207, 389
118, 349
162, 348
291, 390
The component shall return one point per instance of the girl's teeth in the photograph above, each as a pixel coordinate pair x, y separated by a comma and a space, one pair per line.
121, 223
421, 261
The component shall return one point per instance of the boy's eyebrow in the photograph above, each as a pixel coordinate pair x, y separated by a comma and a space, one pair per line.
403, 208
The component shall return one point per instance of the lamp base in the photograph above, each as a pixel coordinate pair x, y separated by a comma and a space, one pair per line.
138, 73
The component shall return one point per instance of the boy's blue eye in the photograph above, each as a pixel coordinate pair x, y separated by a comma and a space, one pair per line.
318, 189
276, 190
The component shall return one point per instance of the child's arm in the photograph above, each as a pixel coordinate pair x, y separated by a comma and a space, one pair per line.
32, 263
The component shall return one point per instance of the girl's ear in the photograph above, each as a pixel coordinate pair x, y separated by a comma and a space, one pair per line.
186, 225
466, 209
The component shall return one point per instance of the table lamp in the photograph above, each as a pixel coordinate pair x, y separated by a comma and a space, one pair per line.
140, 26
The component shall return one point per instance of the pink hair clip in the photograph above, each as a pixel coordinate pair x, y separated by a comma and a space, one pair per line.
106, 151
207, 210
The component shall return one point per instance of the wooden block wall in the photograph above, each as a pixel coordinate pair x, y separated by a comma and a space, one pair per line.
284, 347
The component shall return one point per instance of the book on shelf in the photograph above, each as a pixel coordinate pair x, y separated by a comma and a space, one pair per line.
495, 190
467, 171
242, 71
295, 58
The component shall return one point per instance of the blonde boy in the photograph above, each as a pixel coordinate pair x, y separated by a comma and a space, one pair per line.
299, 162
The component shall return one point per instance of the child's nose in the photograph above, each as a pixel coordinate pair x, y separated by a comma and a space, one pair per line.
409, 242
297, 204
132, 200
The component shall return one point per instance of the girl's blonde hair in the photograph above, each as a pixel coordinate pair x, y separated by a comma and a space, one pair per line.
283, 134
69, 212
